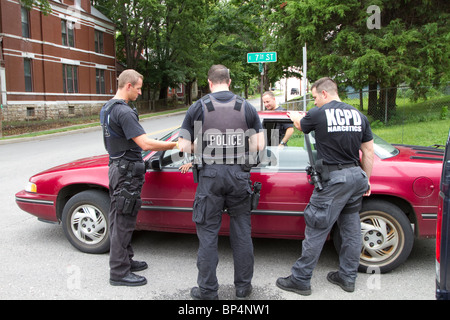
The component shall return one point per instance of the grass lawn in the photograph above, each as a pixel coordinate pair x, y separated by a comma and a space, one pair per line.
422, 123
421, 133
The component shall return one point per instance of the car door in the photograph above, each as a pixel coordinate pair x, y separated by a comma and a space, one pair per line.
443, 231
285, 193
168, 194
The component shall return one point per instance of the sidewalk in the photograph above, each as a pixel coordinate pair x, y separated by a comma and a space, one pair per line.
72, 129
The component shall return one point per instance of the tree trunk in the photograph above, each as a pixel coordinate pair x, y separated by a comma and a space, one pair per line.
373, 100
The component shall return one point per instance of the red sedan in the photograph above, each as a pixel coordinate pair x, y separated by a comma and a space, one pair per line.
403, 204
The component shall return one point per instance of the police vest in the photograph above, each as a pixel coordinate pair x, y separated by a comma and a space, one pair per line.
115, 143
224, 131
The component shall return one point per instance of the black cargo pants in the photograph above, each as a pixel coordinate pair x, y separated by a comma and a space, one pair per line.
339, 202
223, 186
125, 184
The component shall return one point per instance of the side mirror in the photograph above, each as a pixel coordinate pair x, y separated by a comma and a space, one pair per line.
155, 163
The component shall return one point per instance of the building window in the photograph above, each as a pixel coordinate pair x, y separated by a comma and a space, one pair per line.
28, 75
25, 16
100, 81
31, 112
67, 33
98, 41
71, 110
70, 78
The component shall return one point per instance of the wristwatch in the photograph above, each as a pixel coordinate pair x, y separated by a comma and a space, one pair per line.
283, 143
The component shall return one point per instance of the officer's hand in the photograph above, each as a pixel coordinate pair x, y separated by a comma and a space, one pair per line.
368, 192
296, 115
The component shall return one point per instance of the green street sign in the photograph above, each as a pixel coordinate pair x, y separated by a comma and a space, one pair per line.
257, 57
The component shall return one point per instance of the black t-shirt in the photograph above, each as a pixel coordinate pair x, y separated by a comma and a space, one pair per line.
128, 126
195, 113
339, 131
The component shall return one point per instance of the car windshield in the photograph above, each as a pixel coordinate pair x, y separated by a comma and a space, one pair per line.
290, 156
167, 137
383, 149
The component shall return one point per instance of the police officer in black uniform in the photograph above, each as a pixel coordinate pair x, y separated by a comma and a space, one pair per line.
124, 140
227, 129
341, 131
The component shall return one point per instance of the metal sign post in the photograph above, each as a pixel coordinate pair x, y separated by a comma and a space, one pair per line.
261, 58
304, 78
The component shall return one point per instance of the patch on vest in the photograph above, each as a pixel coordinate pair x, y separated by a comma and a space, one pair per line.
224, 140
220, 146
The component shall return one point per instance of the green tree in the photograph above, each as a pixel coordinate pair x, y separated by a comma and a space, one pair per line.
235, 28
43, 5
410, 45
160, 38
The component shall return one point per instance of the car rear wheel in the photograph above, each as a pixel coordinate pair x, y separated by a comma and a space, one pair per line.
387, 237
85, 221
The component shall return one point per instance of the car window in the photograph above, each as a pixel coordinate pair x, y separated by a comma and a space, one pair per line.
383, 149
287, 158
168, 137
174, 159
273, 158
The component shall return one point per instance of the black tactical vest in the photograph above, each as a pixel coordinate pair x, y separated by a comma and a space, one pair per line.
224, 131
115, 143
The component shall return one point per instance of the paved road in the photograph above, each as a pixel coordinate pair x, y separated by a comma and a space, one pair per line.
39, 263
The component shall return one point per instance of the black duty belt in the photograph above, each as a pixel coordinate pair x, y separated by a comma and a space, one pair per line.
334, 167
118, 160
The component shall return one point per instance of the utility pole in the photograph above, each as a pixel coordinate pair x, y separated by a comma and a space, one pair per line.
304, 77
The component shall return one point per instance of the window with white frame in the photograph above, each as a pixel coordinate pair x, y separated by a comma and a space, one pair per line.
70, 78
99, 41
27, 67
68, 33
100, 81
25, 17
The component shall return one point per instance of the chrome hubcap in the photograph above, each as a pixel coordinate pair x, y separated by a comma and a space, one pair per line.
380, 239
88, 224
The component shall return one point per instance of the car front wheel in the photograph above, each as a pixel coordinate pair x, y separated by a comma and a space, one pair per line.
85, 221
387, 237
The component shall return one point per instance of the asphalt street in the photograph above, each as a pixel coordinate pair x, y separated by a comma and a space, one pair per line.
39, 263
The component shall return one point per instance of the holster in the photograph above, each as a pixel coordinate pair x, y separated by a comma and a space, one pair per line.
132, 171
322, 170
196, 172
130, 201
256, 194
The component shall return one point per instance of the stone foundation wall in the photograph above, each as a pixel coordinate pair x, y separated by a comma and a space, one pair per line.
52, 111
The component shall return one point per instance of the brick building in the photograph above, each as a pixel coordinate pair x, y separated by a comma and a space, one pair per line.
55, 65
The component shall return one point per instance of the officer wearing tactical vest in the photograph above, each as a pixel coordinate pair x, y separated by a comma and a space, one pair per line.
228, 130
124, 140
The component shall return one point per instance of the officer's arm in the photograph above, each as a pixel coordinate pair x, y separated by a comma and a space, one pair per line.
147, 143
185, 145
367, 157
256, 142
367, 161
296, 117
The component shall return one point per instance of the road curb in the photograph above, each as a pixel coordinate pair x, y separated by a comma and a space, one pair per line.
71, 131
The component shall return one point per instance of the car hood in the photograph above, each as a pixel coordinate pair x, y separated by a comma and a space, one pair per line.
84, 163
420, 154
